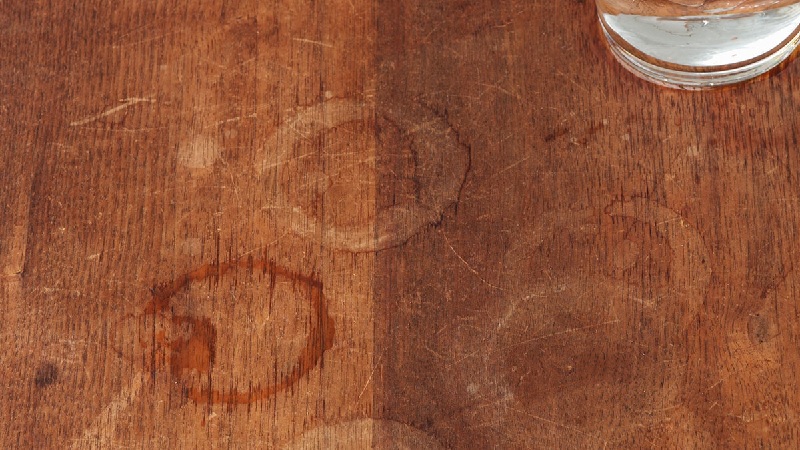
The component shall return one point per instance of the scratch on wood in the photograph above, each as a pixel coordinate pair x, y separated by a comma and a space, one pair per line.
57, 290
100, 433
369, 379
643, 302
309, 41
127, 102
563, 332
12, 306
660, 410
510, 166
284, 161
487, 341
433, 352
234, 119
501, 89
126, 130
12, 263
143, 41
714, 385
468, 266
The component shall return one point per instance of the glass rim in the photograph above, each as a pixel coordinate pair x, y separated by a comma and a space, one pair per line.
633, 51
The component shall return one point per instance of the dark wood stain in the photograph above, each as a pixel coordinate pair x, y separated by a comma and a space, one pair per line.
759, 329
46, 374
556, 134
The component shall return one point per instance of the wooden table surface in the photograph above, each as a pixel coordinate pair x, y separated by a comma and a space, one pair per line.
385, 224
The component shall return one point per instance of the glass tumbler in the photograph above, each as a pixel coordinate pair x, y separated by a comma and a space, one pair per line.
696, 44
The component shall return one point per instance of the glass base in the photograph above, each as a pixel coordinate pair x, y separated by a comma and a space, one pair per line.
697, 79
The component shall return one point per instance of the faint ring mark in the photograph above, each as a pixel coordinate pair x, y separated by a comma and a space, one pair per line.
690, 265
439, 164
570, 255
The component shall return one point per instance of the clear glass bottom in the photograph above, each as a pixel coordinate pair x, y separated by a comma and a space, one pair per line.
698, 52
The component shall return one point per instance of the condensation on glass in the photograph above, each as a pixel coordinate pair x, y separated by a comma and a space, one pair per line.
694, 44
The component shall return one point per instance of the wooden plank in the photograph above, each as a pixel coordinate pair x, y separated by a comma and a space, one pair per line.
612, 272
196, 274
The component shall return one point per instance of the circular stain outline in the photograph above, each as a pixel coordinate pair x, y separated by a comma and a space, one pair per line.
678, 230
320, 337
435, 142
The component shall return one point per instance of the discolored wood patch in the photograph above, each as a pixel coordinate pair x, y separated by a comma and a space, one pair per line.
46, 374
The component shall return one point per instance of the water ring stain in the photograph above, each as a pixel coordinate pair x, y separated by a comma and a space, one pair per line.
190, 344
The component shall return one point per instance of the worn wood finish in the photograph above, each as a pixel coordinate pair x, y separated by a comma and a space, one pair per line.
381, 224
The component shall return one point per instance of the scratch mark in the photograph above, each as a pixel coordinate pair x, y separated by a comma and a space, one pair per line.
133, 30
309, 41
285, 161
659, 410
509, 167
369, 379
125, 104
12, 263
126, 130
14, 236
433, 352
714, 385
101, 431
673, 219
58, 290
143, 41
643, 302
486, 342
234, 119
270, 244
563, 332
293, 128
743, 417
500, 89
468, 266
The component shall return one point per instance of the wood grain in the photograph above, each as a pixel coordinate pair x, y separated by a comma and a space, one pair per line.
375, 224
